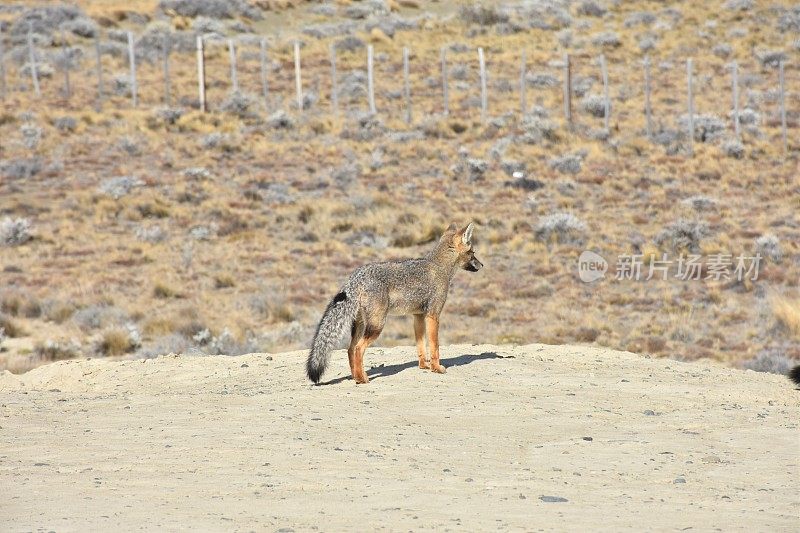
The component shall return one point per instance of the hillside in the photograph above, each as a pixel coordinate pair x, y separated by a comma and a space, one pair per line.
526, 437
128, 232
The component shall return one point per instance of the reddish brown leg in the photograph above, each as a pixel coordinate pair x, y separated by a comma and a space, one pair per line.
357, 335
358, 374
432, 328
419, 334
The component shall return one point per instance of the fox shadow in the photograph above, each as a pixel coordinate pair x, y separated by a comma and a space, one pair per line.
390, 370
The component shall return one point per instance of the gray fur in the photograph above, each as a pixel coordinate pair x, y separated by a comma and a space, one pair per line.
373, 291
337, 319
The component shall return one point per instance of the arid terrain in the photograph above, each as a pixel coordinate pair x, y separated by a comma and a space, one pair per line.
132, 232
527, 438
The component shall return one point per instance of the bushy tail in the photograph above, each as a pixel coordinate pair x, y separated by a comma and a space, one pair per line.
336, 321
794, 374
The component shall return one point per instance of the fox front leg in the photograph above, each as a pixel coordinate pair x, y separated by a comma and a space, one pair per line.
419, 335
432, 327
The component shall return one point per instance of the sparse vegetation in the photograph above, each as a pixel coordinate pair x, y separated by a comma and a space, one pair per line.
247, 217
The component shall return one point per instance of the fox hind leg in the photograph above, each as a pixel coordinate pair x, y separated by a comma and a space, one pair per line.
357, 333
419, 335
361, 347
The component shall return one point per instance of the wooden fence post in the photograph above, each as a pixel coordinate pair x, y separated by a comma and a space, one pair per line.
201, 73
371, 79
606, 101
735, 75
232, 57
406, 85
445, 91
264, 79
523, 102
132, 62
334, 82
690, 105
99, 70
567, 90
167, 83
647, 110
484, 96
782, 87
66, 58
32, 62
2, 68
298, 80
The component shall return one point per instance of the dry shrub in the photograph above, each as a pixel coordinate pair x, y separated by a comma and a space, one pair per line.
116, 341
787, 313
11, 327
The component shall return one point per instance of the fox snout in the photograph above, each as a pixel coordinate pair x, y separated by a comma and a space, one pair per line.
473, 265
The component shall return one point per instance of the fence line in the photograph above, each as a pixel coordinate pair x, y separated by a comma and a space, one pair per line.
66, 59
2, 68
334, 83
201, 73
690, 105
735, 75
606, 101
567, 90
406, 85
99, 71
569, 72
262, 59
232, 57
371, 79
648, 113
167, 83
445, 92
523, 101
298, 80
32, 62
783, 106
484, 92
132, 61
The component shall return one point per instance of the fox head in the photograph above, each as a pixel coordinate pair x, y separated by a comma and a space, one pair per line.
461, 242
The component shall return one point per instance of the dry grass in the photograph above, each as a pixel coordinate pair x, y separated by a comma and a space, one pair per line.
787, 312
260, 241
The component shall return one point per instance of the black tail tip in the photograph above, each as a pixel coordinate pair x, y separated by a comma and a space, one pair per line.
314, 374
794, 375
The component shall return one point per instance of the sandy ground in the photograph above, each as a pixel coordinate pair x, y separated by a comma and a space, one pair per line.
511, 438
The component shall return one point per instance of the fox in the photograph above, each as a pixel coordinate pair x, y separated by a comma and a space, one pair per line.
416, 287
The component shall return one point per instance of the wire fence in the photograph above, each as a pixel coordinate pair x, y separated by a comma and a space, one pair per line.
644, 97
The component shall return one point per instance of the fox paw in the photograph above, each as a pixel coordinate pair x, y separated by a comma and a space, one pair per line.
362, 379
439, 369
424, 365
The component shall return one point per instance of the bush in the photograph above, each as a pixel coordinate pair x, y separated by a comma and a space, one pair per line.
119, 186
700, 202
51, 350
772, 361
567, 164
119, 341
561, 228
595, 105
14, 232
683, 234
481, 15
215, 9
240, 104
21, 168
10, 327
769, 246
99, 316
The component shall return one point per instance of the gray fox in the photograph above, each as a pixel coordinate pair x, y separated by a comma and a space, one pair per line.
410, 287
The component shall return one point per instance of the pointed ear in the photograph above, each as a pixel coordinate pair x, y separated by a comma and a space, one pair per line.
466, 236
452, 227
